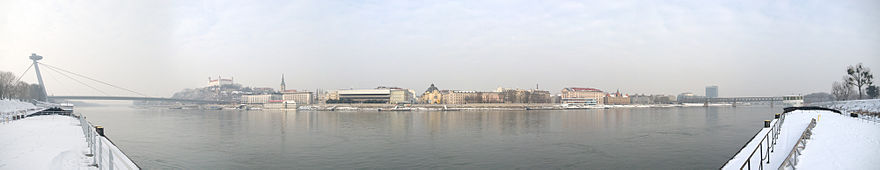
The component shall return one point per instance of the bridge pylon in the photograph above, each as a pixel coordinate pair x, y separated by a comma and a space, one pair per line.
35, 57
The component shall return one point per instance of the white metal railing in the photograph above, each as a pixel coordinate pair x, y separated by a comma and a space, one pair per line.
791, 159
104, 154
6, 117
766, 145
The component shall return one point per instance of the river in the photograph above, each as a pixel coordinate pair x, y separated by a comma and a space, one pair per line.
621, 138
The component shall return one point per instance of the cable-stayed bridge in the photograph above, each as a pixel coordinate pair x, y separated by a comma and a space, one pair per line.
142, 97
130, 98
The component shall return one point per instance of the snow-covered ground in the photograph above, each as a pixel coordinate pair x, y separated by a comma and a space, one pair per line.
55, 142
7, 105
792, 128
870, 105
838, 142
43, 142
841, 142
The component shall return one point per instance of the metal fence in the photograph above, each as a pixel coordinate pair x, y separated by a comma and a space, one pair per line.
104, 154
791, 159
6, 117
766, 145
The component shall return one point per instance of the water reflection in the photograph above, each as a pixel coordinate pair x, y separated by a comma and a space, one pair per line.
665, 138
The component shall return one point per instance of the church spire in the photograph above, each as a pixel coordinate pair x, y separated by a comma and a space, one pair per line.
283, 88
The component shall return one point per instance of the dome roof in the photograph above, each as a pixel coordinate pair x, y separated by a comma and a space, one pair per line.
431, 89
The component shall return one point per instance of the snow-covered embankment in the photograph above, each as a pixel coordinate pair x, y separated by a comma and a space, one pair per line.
840, 142
836, 142
12, 108
43, 142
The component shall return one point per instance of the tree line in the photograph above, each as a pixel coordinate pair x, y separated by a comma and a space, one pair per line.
11, 88
857, 84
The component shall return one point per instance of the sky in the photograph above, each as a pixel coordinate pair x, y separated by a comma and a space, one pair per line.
157, 47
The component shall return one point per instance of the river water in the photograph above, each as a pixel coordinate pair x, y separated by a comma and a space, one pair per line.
623, 138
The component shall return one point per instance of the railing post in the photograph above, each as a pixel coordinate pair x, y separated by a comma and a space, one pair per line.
100, 154
761, 152
110, 159
768, 151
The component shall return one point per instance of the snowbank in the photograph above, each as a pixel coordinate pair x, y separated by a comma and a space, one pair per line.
43, 142
7, 105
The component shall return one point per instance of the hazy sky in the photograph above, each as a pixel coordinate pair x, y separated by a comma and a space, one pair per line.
748, 48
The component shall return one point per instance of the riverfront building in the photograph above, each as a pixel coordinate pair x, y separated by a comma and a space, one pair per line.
579, 95
641, 99
510, 95
260, 98
300, 98
617, 99
399, 95
689, 97
392, 95
363, 96
461, 97
664, 99
711, 91
431, 96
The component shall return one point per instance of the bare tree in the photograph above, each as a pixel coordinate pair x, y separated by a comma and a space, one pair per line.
859, 77
841, 91
7, 84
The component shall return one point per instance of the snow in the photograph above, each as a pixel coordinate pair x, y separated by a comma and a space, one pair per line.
841, 142
870, 105
43, 142
837, 142
7, 105
792, 128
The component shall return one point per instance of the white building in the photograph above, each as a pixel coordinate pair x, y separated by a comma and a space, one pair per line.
300, 98
260, 98
365, 95
586, 96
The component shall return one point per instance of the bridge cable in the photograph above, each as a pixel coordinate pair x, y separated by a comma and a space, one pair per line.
25, 71
51, 75
105, 83
80, 82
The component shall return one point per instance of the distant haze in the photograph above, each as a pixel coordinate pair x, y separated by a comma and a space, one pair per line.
747, 48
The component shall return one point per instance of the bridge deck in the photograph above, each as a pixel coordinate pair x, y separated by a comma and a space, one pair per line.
132, 99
